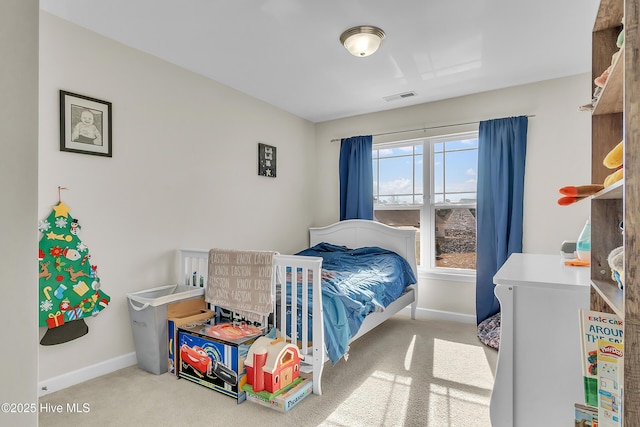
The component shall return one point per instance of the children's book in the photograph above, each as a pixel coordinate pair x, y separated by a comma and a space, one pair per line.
586, 416
595, 326
610, 372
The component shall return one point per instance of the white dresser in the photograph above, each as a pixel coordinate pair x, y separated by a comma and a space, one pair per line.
538, 374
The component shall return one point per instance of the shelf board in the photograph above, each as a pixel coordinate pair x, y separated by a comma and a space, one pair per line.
611, 99
614, 191
609, 15
612, 295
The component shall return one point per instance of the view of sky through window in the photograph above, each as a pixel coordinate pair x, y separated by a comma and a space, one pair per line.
399, 172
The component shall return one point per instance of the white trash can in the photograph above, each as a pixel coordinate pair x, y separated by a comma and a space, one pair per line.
148, 313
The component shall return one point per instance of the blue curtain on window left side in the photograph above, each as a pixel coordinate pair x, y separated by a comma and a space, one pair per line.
502, 146
356, 178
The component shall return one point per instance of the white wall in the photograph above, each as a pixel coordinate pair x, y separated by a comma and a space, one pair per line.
183, 174
18, 221
558, 154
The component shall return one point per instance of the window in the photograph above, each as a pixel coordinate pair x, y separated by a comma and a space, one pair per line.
430, 185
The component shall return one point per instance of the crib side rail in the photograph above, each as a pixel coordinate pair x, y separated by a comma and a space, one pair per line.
302, 274
305, 274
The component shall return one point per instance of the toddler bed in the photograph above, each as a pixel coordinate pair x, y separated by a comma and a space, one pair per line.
354, 276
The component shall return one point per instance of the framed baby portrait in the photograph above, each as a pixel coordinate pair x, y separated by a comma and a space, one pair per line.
85, 124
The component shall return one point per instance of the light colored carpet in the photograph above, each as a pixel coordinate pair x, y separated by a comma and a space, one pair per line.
406, 372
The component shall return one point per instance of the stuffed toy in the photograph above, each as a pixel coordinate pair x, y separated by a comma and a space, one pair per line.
616, 263
601, 80
614, 160
620, 40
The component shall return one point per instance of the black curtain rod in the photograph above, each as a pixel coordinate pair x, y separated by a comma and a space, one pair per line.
421, 129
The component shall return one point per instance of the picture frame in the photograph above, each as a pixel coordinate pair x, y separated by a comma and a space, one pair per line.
267, 160
85, 125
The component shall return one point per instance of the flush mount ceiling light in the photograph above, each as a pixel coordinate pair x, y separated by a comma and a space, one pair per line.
362, 40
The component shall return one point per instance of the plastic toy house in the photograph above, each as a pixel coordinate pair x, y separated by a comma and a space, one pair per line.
272, 364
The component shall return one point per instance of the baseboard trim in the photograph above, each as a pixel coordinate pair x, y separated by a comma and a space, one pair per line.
81, 375
426, 313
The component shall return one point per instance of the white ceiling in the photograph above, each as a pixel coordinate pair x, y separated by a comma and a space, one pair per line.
287, 53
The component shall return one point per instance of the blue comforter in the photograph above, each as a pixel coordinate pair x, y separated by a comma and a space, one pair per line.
355, 283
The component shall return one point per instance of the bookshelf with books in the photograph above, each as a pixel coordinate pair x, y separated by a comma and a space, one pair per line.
615, 118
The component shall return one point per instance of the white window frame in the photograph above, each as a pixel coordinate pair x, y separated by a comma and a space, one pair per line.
426, 267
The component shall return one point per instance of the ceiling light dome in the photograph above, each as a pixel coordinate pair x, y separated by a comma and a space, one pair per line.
362, 40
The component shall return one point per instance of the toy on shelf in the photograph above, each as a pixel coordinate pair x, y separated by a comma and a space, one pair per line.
601, 80
616, 263
573, 193
600, 83
614, 160
620, 40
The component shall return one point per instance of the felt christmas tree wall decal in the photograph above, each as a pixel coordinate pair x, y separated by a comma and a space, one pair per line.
68, 280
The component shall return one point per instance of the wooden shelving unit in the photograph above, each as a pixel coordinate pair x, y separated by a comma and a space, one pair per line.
616, 117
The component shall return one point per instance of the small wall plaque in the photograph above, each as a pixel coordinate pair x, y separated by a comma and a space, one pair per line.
266, 160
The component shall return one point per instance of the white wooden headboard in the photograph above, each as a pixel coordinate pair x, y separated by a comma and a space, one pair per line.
352, 233
357, 233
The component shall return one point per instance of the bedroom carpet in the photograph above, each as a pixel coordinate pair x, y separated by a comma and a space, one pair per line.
406, 372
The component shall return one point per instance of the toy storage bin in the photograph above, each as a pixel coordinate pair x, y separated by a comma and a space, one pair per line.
148, 313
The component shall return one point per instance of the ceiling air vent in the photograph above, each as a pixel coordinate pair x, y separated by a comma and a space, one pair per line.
399, 96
